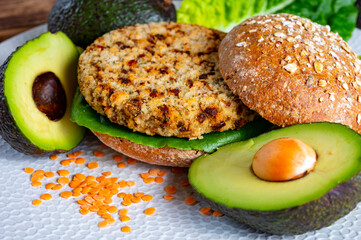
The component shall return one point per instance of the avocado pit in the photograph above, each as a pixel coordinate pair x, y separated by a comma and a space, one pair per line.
283, 159
49, 96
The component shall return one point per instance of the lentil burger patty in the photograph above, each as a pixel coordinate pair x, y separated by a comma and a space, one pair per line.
161, 78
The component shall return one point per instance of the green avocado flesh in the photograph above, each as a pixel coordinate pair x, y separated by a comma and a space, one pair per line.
84, 115
24, 126
225, 177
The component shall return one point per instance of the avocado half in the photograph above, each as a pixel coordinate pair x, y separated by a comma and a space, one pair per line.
37, 85
85, 20
329, 192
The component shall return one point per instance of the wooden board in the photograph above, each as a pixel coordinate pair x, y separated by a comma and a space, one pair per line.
19, 15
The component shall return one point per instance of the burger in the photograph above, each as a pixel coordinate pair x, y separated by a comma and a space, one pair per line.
158, 92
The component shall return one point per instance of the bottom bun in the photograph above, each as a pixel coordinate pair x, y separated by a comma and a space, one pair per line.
165, 156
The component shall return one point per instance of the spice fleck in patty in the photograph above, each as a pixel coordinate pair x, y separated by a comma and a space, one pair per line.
161, 78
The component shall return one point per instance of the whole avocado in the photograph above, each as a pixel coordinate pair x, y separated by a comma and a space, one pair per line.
85, 20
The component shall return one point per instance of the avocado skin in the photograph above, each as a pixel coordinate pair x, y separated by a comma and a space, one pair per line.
85, 20
8, 128
311, 216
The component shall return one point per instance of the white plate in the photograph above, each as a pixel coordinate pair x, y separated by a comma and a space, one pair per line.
60, 218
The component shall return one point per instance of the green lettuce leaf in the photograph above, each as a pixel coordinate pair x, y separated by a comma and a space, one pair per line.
340, 15
223, 15
84, 115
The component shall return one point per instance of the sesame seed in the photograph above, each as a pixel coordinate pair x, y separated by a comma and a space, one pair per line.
358, 81
261, 39
304, 53
288, 58
339, 78
346, 48
280, 34
290, 39
322, 83
318, 67
291, 67
358, 118
345, 86
240, 44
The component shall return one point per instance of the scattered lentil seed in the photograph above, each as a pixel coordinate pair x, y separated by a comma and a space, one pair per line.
217, 214
158, 179
112, 209
149, 211
49, 174
28, 170
74, 154
110, 220
148, 180
123, 212
185, 183
126, 203
168, 197
65, 162
121, 165
36, 184
130, 183
93, 165
118, 158
135, 199
144, 175
57, 187
36, 202
162, 173
147, 197
103, 224
80, 161
124, 218
84, 211
63, 180
106, 173
53, 157
63, 173
138, 194
154, 171
171, 189
131, 161
126, 229
190, 200
46, 196
66, 194
49, 185
205, 211
98, 153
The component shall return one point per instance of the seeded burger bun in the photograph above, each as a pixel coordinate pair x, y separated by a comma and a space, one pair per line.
160, 79
291, 70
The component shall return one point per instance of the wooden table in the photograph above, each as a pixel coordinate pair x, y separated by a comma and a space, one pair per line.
19, 15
